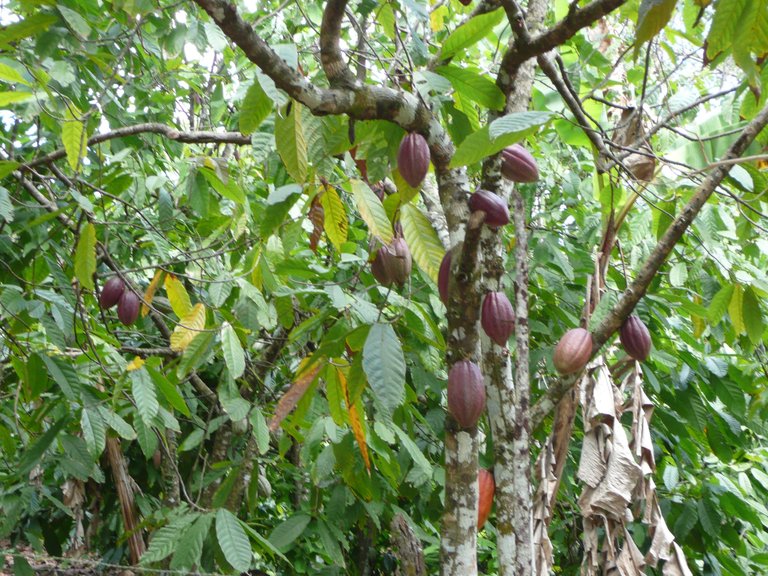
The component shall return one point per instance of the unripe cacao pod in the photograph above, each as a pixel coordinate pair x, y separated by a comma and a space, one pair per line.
111, 292
443, 276
487, 487
413, 159
466, 393
518, 165
497, 317
398, 263
573, 351
496, 210
635, 338
128, 307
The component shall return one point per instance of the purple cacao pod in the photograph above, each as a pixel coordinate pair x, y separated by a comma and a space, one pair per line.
466, 393
518, 165
128, 307
466, 2
496, 210
573, 351
399, 262
379, 269
497, 317
413, 159
443, 276
111, 292
635, 338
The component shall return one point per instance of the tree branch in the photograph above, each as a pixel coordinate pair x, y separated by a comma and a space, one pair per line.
338, 73
576, 19
637, 289
196, 137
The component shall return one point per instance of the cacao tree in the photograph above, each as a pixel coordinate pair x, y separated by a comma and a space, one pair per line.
356, 287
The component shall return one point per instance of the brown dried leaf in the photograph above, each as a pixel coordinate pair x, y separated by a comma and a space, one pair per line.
304, 378
317, 217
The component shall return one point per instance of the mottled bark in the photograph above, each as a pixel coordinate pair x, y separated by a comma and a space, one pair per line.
128, 509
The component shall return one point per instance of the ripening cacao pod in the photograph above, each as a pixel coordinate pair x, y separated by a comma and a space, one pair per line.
466, 2
466, 393
443, 276
635, 338
497, 317
111, 292
496, 210
398, 263
487, 486
128, 308
518, 165
573, 351
413, 159
379, 269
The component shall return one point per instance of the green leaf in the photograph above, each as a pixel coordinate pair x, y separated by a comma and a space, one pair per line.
753, 316
6, 208
422, 240
422, 470
31, 456
260, 430
13, 97
233, 541
501, 133
64, 374
74, 137
652, 16
292, 144
372, 211
286, 533
257, 105
118, 424
384, 364
76, 22
719, 304
234, 357
28, 27
470, 33
144, 395
94, 430
195, 353
8, 74
474, 86
164, 541
169, 391
85, 256
190, 548
330, 544
229, 189
335, 217
6, 167
725, 22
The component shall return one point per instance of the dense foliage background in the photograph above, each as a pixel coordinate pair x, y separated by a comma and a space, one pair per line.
274, 407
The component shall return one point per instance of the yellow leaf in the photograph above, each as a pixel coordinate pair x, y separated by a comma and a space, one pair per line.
74, 137
178, 296
150, 293
736, 309
189, 326
355, 420
135, 364
698, 322
335, 223
437, 18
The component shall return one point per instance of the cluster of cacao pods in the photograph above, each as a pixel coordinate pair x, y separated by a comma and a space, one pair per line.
392, 263
128, 303
413, 159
